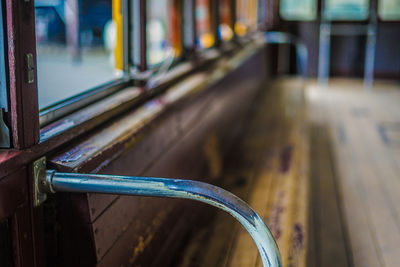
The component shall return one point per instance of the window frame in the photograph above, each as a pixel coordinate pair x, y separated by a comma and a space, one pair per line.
27, 118
24, 111
316, 17
16, 164
66, 106
371, 10
4, 94
381, 19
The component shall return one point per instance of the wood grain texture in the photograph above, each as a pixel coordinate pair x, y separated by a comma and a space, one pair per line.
365, 157
269, 169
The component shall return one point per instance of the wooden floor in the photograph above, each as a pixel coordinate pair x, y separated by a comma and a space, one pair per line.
360, 129
321, 165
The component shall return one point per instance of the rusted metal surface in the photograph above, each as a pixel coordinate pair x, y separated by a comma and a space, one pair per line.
23, 93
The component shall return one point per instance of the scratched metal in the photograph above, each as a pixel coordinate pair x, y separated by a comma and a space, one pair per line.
174, 188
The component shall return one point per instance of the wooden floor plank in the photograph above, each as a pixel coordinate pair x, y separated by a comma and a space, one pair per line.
369, 175
354, 164
328, 218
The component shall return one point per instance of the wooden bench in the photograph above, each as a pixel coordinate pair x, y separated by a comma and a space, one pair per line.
269, 169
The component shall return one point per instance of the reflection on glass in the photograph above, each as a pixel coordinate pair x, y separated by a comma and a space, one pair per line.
225, 30
346, 9
205, 37
298, 9
163, 30
389, 9
246, 17
75, 43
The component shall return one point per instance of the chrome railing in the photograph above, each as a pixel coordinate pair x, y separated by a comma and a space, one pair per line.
52, 182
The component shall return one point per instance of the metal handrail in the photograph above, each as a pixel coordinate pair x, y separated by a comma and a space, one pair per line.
54, 182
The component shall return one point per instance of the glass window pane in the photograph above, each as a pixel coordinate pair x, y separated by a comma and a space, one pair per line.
75, 47
389, 9
163, 30
346, 9
225, 26
298, 9
205, 36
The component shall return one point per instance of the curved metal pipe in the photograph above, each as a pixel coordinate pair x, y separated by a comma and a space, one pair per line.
174, 188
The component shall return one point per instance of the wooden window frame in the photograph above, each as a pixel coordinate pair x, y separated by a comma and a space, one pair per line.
25, 116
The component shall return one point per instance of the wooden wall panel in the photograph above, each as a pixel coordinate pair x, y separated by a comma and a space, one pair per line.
115, 231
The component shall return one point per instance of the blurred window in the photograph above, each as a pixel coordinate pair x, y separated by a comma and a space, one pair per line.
163, 30
346, 9
298, 9
225, 26
389, 9
246, 17
76, 47
205, 37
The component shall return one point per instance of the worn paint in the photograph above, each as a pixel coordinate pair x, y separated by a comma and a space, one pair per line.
213, 157
285, 158
274, 220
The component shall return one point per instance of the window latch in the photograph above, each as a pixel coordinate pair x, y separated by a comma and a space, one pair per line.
30, 68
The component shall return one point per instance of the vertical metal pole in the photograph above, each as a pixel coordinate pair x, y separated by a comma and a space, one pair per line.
139, 34
72, 25
370, 47
370, 57
189, 29
324, 53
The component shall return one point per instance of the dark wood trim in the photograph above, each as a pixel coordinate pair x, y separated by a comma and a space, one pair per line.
233, 17
23, 94
215, 21
143, 35
13, 193
26, 227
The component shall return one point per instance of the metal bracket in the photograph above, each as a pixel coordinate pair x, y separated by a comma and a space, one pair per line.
30, 68
39, 180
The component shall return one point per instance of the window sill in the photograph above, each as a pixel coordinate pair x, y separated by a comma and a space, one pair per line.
58, 133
